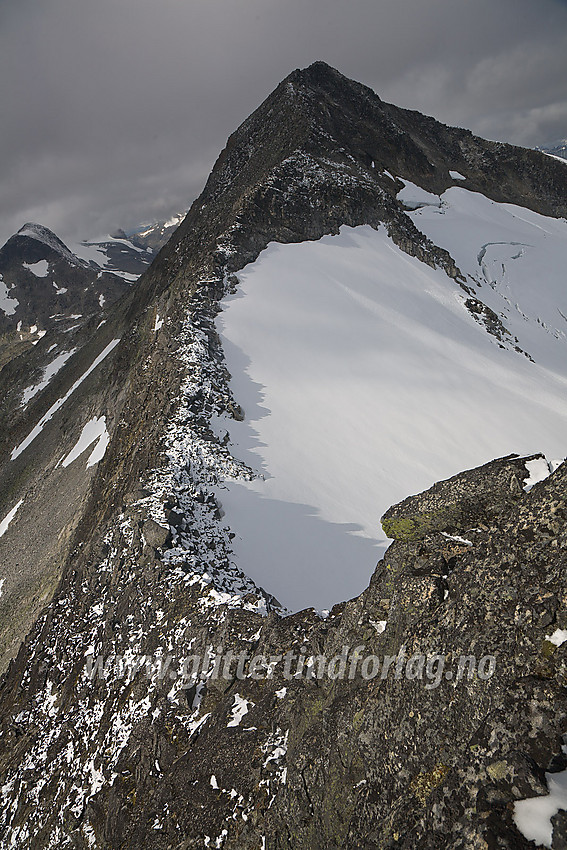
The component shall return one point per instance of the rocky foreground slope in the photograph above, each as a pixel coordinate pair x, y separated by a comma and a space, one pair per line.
108, 740
307, 736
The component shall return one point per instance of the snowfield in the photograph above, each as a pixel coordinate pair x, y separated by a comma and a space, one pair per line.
39, 269
364, 379
513, 257
8, 305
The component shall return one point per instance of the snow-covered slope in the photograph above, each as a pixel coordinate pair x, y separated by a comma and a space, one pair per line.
512, 257
128, 254
115, 254
364, 377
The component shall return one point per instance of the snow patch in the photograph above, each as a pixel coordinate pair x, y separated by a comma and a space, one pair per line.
538, 470
39, 269
456, 175
95, 429
533, 816
7, 305
9, 517
456, 538
91, 253
414, 197
48, 373
240, 707
558, 637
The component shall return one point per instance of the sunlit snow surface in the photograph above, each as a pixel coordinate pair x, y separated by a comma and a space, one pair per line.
364, 379
515, 257
93, 432
533, 816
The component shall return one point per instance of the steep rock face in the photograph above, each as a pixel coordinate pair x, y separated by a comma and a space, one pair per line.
127, 758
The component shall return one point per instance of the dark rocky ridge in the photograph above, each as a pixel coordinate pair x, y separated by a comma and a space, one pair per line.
345, 127
365, 763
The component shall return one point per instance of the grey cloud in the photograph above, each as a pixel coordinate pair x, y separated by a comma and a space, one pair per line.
114, 112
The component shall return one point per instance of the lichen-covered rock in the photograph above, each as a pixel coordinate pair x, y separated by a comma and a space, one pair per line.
429, 755
462, 502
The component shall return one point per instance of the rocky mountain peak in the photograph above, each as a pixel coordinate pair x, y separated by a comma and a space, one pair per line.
322, 150
38, 233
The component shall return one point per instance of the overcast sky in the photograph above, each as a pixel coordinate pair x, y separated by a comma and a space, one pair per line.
113, 112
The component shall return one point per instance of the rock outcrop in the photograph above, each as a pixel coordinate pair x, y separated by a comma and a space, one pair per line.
462, 502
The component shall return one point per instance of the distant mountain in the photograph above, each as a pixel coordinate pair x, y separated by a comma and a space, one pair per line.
47, 286
129, 254
44, 286
116, 254
558, 148
155, 234
207, 639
